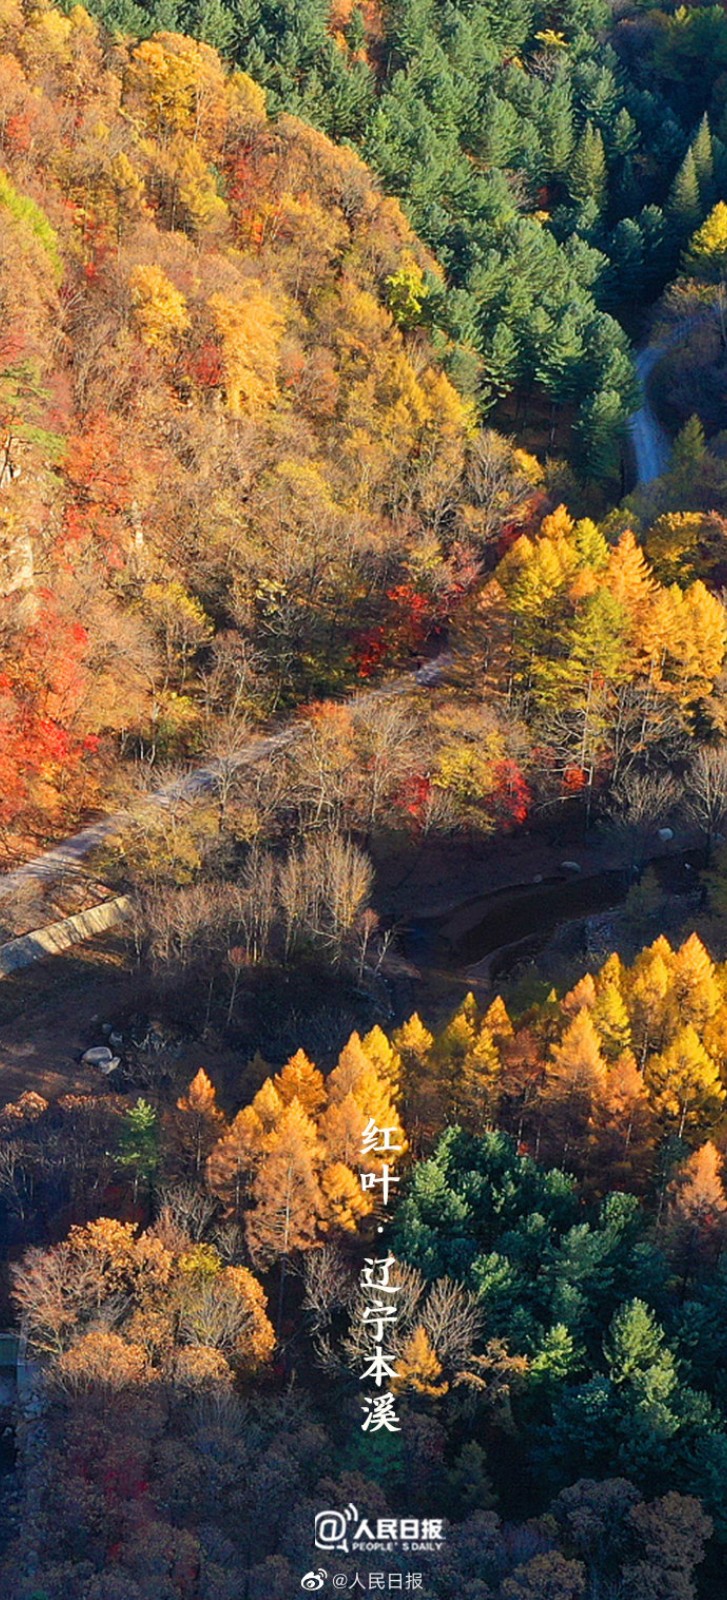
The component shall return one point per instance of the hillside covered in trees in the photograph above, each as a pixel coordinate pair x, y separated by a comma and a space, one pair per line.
327, 582
556, 159
236, 475
220, 452
559, 1248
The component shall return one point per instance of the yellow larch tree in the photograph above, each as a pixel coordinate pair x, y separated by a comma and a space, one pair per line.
356, 1075
582, 995
610, 1015
415, 1044
232, 1162
196, 1124
648, 998
384, 1057
497, 1020
453, 1043
621, 1133
301, 1080
419, 1368
673, 544
714, 1037
612, 971
696, 1222
575, 1078
630, 580
706, 255
249, 328
159, 310
341, 1127
683, 640
694, 983
697, 1190
684, 1082
452, 1046
287, 1201
704, 638
268, 1105
345, 1202
479, 1086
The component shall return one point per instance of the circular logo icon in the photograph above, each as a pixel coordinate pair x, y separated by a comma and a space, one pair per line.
314, 1580
331, 1528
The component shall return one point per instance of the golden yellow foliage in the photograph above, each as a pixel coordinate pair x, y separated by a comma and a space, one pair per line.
685, 1082
159, 310
101, 1359
419, 1368
250, 329
301, 1081
345, 1201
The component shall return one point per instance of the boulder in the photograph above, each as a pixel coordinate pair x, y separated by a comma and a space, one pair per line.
99, 1056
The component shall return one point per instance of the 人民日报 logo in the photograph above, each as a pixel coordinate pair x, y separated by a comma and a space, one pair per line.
348, 1531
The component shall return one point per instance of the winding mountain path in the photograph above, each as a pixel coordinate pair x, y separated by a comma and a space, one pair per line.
652, 446
651, 442
69, 855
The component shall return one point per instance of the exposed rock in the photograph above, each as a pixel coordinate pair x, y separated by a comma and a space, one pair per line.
109, 1066
98, 1056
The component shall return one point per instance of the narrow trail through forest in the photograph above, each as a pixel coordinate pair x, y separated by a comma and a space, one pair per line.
652, 446
68, 856
651, 443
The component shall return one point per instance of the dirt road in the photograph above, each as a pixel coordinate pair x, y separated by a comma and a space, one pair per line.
652, 446
69, 855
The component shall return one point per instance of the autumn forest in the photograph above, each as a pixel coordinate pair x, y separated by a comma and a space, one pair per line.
363, 766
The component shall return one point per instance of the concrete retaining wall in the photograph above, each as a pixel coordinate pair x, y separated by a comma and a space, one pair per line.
60, 936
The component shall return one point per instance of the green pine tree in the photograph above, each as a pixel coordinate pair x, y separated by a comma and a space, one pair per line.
627, 252
499, 131
588, 177
556, 127
599, 433
625, 135
690, 448
139, 1143
684, 204
704, 162
637, 1355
